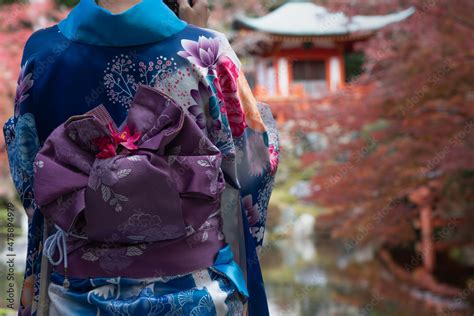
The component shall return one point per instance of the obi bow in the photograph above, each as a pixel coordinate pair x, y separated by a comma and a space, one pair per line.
152, 180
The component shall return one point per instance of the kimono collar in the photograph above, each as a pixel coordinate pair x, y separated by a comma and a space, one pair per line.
146, 22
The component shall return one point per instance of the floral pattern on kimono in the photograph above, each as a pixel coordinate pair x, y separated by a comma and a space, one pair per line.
239, 128
207, 294
23, 144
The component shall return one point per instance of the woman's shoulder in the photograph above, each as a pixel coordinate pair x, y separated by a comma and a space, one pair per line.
195, 31
43, 43
209, 38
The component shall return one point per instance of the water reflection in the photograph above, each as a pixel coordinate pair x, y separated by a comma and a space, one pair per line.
311, 277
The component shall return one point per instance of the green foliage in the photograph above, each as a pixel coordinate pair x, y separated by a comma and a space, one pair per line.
5, 311
290, 172
354, 65
9, 2
67, 3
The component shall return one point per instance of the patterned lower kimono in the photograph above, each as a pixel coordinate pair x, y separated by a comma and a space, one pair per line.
206, 293
70, 68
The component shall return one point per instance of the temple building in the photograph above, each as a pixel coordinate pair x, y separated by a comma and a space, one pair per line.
300, 47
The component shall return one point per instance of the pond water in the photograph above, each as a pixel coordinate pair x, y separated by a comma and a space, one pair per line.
310, 277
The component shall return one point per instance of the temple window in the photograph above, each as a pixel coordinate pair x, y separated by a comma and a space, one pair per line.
311, 74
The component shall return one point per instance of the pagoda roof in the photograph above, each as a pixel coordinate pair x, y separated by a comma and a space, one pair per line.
301, 18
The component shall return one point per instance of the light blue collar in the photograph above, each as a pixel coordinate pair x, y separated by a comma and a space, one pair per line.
146, 22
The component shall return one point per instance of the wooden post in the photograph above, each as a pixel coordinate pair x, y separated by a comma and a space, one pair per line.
423, 197
427, 247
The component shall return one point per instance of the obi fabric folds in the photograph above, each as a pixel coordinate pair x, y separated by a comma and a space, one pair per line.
149, 191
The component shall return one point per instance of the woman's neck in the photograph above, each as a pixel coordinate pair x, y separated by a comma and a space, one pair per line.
117, 6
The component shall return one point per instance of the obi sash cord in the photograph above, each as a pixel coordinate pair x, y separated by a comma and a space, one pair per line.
58, 241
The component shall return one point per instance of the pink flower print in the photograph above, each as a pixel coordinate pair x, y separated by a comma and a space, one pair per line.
274, 159
125, 137
204, 52
251, 209
24, 84
228, 73
106, 146
217, 84
236, 116
109, 145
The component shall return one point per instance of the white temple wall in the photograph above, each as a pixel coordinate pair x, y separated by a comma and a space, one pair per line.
334, 73
283, 81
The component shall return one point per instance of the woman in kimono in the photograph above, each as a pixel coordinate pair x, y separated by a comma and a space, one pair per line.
97, 59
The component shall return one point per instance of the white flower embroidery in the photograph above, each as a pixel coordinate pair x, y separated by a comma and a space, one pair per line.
38, 164
122, 76
257, 232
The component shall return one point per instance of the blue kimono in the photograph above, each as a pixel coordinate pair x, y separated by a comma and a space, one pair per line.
94, 57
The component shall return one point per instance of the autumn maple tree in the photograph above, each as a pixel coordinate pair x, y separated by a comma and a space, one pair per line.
400, 165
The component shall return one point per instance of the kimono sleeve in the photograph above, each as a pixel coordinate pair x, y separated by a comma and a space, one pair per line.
22, 144
21, 139
255, 139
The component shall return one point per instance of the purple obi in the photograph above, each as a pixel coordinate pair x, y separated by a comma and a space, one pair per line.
145, 196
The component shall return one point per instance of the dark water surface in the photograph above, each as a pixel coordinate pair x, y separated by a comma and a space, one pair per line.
318, 278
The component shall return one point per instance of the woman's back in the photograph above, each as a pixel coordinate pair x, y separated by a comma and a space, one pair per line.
72, 77
96, 58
